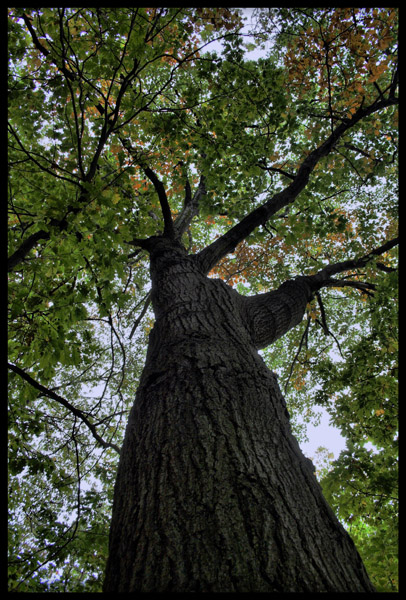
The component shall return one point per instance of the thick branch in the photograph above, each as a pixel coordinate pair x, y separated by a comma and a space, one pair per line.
159, 188
269, 316
75, 411
163, 201
44, 50
323, 277
210, 256
27, 245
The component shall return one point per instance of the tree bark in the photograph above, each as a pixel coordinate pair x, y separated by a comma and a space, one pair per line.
213, 493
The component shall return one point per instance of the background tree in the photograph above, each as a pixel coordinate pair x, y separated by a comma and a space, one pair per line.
122, 128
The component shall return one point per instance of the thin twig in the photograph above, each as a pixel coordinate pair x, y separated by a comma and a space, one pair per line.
75, 411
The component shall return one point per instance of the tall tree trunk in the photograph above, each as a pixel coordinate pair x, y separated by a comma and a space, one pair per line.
213, 493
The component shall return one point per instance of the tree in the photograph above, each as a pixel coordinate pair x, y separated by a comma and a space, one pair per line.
147, 174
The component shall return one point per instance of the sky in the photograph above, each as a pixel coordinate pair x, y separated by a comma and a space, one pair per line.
323, 435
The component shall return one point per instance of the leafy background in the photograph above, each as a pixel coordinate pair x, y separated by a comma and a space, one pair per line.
97, 94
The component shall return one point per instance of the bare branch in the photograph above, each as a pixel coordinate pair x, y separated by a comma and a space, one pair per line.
75, 411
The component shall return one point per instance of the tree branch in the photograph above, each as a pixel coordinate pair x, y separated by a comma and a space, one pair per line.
163, 201
44, 50
363, 286
323, 277
323, 314
159, 188
269, 316
141, 315
225, 244
190, 207
304, 336
75, 411
262, 165
32, 157
27, 245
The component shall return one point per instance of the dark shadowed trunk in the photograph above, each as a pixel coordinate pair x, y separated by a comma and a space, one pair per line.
213, 493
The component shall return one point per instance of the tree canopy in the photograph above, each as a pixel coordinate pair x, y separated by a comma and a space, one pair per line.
125, 122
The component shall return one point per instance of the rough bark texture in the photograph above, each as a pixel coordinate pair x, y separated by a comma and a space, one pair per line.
213, 493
